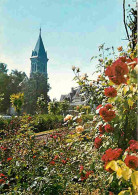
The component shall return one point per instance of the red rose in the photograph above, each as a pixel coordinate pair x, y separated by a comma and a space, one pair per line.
111, 154
106, 114
108, 106
97, 142
55, 136
132, 142
101, 129
52, 162
110, 92
9, 159
117, 71
81, 168
99, 106
131, 161
119, 67
64, 162
103, 112
2, 181
56, 157
108, 128
111, 193
2, 175
108, 71
133, 146
111, 115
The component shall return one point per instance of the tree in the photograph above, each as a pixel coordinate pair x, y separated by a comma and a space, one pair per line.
17, 101
130, 24
1, 98
56, 107
3, 68
33, 87
41, 104
9, 84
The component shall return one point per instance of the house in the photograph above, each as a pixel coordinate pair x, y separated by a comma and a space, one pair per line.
74, 97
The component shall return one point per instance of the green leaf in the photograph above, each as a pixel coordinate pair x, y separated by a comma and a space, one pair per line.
130, 102
9, 171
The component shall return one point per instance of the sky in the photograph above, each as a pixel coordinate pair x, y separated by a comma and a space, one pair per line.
72, 30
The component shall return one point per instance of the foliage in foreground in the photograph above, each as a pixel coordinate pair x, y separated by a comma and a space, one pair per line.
98, 156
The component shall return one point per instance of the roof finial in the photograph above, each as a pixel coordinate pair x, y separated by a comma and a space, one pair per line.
40, 30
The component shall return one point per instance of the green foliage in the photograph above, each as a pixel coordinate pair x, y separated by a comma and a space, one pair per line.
36, 85
87, 117
41, 104
3, 68
83, 109
9, 84
45, 122
17, 101
1, 98
58, 107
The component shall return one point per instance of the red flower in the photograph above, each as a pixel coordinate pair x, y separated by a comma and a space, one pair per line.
55, 136
106, 114
117, 71
64, 162
103, 112
110, 92
52, 162
88, 173
85, 176
97, 142
133, 63
29, 118
131, 161
101, 129
99, 106
133, 146
132, 142
108, 71
81, 168
9, 159
119, 67
2, 175
2, 181
108, 106
111, 154
111, 193
108, 128
34, 156
56, 157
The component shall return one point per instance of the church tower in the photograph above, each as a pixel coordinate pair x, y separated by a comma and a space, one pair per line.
39, 58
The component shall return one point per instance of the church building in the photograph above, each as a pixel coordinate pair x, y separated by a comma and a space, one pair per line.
39, 58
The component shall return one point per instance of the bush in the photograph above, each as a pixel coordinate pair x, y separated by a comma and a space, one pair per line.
45, 122
3, 122
87, 117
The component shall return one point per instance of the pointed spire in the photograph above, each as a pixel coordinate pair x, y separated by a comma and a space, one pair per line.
39, 48
40, 31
